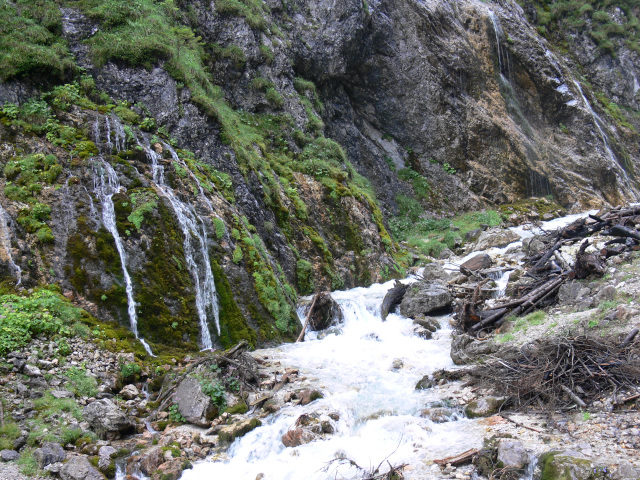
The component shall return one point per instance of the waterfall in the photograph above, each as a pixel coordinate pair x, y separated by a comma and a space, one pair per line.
106, 184
599, 123
499, 35
195, 246
5, 243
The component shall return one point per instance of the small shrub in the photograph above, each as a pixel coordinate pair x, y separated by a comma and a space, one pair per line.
80, 383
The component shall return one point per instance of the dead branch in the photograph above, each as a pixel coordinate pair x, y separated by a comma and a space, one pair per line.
301, 336
460, 459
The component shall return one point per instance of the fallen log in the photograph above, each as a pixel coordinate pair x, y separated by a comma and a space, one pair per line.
629, 338
620, 231
460, 459
609, 252
588, 263
573, 396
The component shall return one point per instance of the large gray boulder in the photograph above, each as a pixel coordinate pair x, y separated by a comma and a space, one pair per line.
478, 262
496, 238
434, 271
326, 313
107, 419
193, 404
466, 349
424, 298
50, 452
512, 453
79, 468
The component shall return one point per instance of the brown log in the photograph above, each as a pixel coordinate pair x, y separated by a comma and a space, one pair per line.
588, 263
573, 396
629, 399
608, 252
455, 460
629, 338
620, 231
541, 263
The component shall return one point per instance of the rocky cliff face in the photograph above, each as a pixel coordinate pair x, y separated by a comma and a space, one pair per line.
259, 147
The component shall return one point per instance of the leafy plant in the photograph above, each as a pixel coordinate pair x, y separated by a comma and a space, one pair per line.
175, 415
80, 383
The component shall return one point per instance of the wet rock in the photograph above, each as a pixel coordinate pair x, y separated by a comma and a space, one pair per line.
479, 262
467, 349
50, 452
438, 414
79, 468
105, 455
308, 395
423, 298
533, 245
430, 323
393, 298
297, 437
308, 427
151, 460
495, 238
422, 332
485, 407
425, 383
129, 392
229, 433
193, 404
512, 454
326, 313
9, 455
397, 364
107, 419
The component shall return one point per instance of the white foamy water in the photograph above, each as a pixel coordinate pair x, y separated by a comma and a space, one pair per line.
379, 408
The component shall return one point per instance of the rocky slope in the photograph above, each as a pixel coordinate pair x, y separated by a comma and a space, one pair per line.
288, 134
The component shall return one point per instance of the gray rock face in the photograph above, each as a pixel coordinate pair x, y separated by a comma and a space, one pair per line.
193, 404
50, 452
423, 298
434, 271
107, 419
79, 468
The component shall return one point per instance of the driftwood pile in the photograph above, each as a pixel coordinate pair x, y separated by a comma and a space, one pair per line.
548, 269
564, 371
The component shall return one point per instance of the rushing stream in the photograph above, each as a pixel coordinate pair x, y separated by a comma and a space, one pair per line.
378, 406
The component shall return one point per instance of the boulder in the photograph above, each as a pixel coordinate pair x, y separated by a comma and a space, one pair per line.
193, 404
572, 293
79, 468
512, 453
605, 294
308, 428
308, 395
434, 271
496, 238
479, 262
9, 455
50, 452
425, 383
423, 298
129, 392
61, 394
485, 407
105, 455
151, 460
466, 349
430, 323
393, 298
472, 234
533, 245
229, 433
438, 414
326, 313
31, 371
107, 419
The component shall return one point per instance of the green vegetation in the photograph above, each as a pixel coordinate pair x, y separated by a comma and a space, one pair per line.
43, 312
144, 204
30, 41
594, 16
80, 383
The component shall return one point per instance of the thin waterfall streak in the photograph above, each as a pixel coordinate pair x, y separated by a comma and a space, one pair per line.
192, 228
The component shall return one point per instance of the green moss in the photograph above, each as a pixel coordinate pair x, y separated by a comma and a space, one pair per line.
144, 204
233, 325
304, 273
239, 408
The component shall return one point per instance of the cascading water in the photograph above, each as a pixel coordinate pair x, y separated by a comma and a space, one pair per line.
198, 262
5, 242
503, 67
106, 184
379, 409
599, 123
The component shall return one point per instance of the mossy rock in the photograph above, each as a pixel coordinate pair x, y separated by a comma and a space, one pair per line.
229, 433
239, 408
566, 466
484, 407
